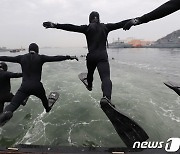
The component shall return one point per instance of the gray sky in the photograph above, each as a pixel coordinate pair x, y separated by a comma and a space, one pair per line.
21, 20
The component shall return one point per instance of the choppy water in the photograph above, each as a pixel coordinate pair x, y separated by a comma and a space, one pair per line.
76, 119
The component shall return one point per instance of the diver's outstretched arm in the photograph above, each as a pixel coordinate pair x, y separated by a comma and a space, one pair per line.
67, 27
57, 58
14, 75
15, 59
160, 12
115, 26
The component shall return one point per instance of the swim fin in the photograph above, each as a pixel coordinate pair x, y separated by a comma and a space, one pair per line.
174, 86
128, 130
83, 78
53, 97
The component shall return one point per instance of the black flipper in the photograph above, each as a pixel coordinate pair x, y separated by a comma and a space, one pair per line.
53, 97
83, 78
174, 86
127, 129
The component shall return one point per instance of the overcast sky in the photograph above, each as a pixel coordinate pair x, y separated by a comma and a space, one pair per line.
21, 20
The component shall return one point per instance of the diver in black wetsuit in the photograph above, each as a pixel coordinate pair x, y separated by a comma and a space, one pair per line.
5, 85
162, 11
96, 35
31, 64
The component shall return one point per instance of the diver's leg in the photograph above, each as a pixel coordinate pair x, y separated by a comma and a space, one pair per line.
40, 93
104, 72
1, 106
5, 98
91, 66
16, 101
10, 97
45, 102
9, 109
2, 101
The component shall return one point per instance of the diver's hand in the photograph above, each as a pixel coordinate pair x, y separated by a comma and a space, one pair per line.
72, 57
49, 24
132, 22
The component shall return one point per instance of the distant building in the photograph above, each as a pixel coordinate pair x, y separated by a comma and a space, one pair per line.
172, 40
139, 43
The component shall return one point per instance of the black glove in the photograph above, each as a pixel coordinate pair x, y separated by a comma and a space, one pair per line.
49, 24
132, 22
72, 57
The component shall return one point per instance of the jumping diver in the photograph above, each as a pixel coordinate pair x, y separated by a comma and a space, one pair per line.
160, 12
96, 35
31, 64
5, 86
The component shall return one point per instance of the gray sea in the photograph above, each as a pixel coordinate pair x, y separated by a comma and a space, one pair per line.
77, 119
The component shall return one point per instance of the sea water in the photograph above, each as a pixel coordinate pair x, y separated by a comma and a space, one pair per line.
77, 119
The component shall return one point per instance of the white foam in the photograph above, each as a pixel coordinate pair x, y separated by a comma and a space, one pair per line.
170, 114
76, 125
36, 131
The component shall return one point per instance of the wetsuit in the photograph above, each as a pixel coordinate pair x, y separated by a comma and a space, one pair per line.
5, 87
96, 36
31, 65
164, 10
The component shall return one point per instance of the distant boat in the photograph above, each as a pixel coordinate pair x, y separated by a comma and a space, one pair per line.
119, 44
16, 50
2, 49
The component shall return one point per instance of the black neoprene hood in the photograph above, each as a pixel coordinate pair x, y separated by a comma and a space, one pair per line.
94, 17
34, 47
3, 66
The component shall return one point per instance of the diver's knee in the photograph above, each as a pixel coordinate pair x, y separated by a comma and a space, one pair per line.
11, 107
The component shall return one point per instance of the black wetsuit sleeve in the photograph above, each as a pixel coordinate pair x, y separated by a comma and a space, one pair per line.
164, 10
54, 58
115, 26
72, 28
13, 75
15, 59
